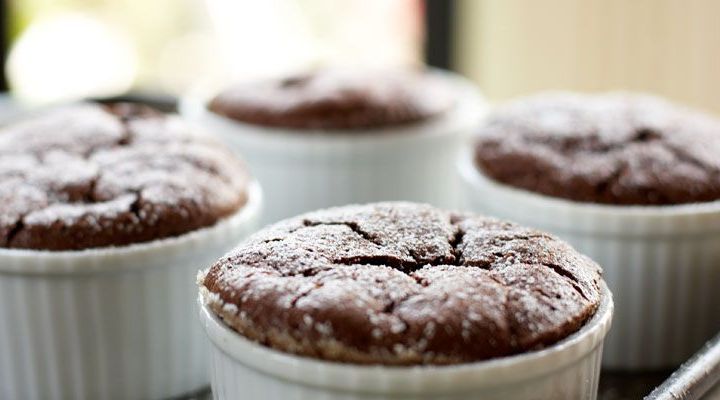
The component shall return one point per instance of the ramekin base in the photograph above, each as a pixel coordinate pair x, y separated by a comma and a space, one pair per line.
110, 323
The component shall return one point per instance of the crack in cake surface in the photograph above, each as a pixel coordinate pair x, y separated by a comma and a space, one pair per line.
67, 177
615, 148
443, 287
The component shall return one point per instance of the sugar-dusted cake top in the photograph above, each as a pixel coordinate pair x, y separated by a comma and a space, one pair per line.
402, 283
88, 176
337, 99
615, 148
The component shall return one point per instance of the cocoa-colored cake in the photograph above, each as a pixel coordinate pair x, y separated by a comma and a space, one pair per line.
337, 98
89, 176
615, 148
400, 284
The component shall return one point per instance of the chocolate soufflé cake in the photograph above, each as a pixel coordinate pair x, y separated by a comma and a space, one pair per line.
342, 99
88, 176
402, 284
614, 148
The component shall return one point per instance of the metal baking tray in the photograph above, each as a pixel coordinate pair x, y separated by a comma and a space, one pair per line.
697, 379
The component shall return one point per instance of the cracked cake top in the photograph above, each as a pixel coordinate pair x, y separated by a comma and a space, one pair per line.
87, 176
337, 98
401, 284
614, 148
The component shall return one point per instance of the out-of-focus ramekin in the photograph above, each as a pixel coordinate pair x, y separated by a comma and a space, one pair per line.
567, 370
662, 264
305, 170
110, 323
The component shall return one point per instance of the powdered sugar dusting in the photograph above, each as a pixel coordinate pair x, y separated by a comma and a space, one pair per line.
89, 176
614, 148
401, 283
338, 98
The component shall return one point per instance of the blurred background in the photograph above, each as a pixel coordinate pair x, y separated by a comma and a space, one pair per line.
62, 50
56, 50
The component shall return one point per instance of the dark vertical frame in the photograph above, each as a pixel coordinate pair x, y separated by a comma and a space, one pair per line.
438, 33
4, 32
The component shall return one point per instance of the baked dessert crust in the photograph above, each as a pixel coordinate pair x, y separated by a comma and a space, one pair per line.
88, 176
402, 284
613, 148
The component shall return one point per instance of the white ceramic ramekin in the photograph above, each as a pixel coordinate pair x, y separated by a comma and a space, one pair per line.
306, 170
241, 369
662, 264
110, 323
